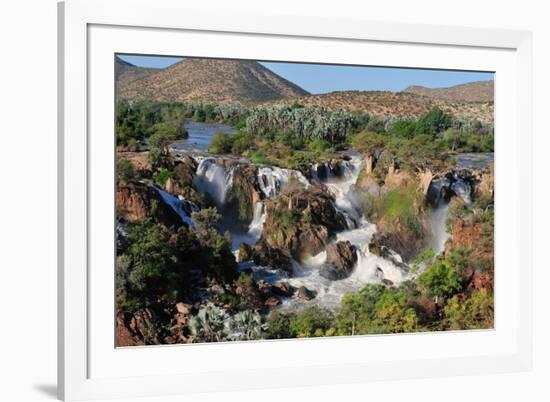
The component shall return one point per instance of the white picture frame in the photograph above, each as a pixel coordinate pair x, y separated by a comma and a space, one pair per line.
89, 365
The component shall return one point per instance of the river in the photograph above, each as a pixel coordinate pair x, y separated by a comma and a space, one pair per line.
216, 180
200, 136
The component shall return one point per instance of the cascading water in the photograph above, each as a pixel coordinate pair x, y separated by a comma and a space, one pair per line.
212, 178
272, 179
257, 224
439, 194
439, 235
180, 205
462, 189
370, 268
341, 187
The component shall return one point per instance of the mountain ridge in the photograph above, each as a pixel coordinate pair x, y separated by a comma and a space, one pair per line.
477, 91
211, 81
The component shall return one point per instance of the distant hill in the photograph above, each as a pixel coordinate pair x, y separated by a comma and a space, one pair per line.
125, 71
385, 103
480, 91
207, 81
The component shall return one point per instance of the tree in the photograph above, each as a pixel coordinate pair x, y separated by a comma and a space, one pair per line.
453, 137
476, 312
369, 142
125, 170
404, 128
434, 122
440, 281
221, 143
392, 314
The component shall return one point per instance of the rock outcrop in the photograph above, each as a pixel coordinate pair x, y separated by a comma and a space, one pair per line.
300, 221
484, 182
138, 201
244, 193
395, 179
341, 259
266, 255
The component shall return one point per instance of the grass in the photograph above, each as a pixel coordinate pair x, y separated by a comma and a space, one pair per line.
400, 205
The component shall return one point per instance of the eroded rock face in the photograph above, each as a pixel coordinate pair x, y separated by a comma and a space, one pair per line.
185, 170
368, 184
398, 237
126, 330
300, 221
395, 179
131, 205
471, 237
132, 329
138, 201
341, 259
484, 182
244, 193
425, 179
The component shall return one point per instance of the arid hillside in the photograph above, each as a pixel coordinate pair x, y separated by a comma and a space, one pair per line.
209, 81
127, 72
384, 103
480, 91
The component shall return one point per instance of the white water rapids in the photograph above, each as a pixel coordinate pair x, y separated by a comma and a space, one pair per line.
216, 180
370, 268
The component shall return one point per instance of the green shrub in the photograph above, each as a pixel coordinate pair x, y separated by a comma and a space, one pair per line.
222, 143
440, 281
243, 142
400, 206
404, 128
125, 170
260, 158
162, 176
357, 310
433, 123
476, 312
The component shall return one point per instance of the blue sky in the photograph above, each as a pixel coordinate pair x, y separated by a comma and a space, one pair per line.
320, 78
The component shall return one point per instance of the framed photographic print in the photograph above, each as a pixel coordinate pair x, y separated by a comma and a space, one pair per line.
243, 197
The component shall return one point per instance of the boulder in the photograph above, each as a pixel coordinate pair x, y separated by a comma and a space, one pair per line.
341, 259
265, 255
305, 294
272, 302
283, 289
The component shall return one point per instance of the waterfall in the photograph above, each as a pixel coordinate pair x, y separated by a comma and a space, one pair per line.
180, 205
257, 224
341, 187
462, 189
439, 235
439, 194
370, 268
273, 179
213, 179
